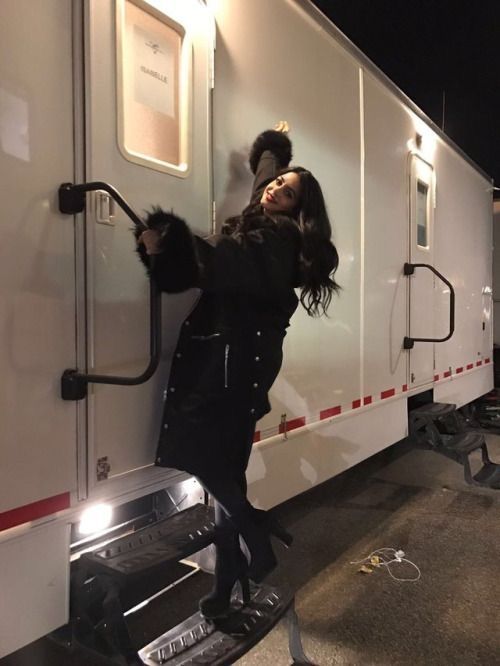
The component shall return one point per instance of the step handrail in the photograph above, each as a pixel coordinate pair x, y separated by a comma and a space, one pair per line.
409, 269
74, 383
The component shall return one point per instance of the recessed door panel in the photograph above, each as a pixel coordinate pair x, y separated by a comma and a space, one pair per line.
147, 123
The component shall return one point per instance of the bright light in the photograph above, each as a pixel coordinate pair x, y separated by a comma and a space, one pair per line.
427, 142
191, 14
95, 519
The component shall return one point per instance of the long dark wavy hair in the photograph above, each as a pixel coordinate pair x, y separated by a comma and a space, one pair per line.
319, 258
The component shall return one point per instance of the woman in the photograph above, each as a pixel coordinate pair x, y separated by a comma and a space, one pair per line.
229, 350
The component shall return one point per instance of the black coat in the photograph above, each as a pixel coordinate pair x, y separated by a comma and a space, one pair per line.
229, 351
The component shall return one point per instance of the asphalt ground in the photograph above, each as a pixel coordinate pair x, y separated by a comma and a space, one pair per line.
403, 498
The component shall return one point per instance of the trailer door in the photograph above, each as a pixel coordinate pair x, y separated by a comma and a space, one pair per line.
421, 284
147, 103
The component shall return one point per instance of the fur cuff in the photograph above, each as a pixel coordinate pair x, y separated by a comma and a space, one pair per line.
176, 267
160, 221
277, 142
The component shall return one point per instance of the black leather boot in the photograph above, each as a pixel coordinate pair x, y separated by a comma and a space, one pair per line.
231, 567
256, 527
273, 526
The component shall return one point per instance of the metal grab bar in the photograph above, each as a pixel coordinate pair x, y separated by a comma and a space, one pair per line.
72, 199
408, 270
74, 383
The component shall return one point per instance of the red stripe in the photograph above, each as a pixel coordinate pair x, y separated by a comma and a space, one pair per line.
447, 373
331, 411
256, 436
388, 394
356, 404
367, 400
436, 378
459, 370
479, 363
470, 366
28, 512
296, 423
291, 425
486, 360
405, 387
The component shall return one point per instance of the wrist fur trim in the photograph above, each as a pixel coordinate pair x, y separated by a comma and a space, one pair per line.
176, 267
277, 142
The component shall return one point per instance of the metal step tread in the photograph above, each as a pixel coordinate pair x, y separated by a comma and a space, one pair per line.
221, 642
168, 540
489, 476
433, 410
464, 442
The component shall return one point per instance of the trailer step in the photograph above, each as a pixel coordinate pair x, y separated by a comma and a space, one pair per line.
464, 442
488, 475
193, 641
168, 540
102, 579
433, 410
198, 641
438, 426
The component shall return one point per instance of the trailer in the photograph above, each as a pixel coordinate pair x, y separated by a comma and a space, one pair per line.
159, 101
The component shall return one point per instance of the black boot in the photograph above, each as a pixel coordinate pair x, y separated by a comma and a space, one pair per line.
256, 527
273, 526
231, 567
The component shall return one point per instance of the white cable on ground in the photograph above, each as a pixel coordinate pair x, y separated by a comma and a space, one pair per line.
382, 558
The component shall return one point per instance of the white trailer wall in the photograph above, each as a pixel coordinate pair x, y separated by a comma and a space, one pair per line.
325, 360
322, 107
464, 247
356, 133
387, 128
37, 295
37, 315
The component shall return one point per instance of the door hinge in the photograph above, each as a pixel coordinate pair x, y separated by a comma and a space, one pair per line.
211, 56
103, 468
212, 68
214, 217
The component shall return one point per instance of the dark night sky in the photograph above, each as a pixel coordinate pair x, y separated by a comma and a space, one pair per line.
430, 46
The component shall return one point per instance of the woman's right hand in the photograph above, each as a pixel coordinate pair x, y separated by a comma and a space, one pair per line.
151, 241
277, 142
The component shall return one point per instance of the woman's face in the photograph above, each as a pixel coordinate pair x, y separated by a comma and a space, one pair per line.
283, 194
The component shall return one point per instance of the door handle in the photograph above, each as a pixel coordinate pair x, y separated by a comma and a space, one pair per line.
408, 270
74, 383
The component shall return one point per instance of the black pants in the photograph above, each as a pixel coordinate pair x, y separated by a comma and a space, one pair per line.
230, 490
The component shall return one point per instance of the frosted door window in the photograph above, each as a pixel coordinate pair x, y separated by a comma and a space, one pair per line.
150, 89
422, 215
